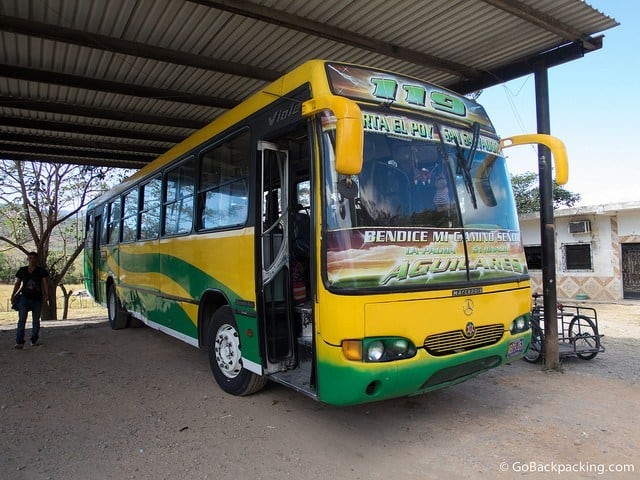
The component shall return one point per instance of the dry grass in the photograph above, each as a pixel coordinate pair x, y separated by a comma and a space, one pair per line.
79, 307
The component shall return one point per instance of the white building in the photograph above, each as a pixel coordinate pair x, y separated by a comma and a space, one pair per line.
597, 251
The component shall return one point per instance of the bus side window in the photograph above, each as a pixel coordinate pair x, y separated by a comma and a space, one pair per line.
150, 209
223, 190
130, 216
105, 224
178, 206
115, 214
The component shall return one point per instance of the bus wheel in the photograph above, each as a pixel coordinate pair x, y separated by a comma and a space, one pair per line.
118, 316
225, 356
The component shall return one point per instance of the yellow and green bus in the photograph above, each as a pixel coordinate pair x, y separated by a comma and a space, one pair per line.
348, 232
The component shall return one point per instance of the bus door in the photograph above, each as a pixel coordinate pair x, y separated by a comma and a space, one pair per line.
100, 257
92, 253
277, 322
96, 259
90, 245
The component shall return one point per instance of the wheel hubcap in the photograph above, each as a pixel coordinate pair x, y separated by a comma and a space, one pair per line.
112, 307
227, 350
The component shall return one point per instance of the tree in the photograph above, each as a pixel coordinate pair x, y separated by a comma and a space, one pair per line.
41, 204
527, 193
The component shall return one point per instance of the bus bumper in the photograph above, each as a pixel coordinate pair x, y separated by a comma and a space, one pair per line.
344, 382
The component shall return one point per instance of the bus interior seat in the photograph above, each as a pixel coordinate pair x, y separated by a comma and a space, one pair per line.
301, 234
301, 250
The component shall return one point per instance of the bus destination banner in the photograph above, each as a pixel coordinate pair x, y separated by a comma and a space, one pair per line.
379, 257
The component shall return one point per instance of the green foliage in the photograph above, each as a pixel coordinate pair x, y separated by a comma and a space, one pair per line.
8, 268
41, 209
527, 193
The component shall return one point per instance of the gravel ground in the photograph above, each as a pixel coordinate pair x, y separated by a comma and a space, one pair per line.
92, 403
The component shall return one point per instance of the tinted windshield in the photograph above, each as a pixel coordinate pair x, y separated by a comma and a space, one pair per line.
432, 205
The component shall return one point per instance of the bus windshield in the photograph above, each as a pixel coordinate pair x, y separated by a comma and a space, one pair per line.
432, 205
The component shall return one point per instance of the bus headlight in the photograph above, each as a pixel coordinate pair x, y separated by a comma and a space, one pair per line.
388, 349
374, 350
519, 325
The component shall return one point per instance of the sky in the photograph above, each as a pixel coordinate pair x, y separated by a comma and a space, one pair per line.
594, 105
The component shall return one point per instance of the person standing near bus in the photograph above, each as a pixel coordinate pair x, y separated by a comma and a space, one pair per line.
33, 280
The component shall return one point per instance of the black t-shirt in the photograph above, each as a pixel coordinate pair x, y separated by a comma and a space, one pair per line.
32, 282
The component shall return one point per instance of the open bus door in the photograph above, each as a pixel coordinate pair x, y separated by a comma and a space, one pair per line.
276, 311
96, 259
89, 264
92, 253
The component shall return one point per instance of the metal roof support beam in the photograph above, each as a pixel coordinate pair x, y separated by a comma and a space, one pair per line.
301, 24
7, 149
96, 84
544, 21
26, 157
84, 111
557, 56
89, 130
78, 142
118, 45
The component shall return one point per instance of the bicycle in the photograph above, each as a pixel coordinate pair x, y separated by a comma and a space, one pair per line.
577, 336
536, 349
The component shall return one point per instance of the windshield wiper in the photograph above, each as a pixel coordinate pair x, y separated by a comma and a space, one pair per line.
463, 164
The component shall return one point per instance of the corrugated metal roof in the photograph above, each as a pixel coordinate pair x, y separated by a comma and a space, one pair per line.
86, 70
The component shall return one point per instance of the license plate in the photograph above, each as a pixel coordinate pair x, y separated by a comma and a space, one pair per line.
515, 347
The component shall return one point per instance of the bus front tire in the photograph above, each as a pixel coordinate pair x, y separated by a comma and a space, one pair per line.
118, 316
223, 343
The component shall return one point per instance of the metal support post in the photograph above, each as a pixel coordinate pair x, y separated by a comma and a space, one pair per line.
547, 226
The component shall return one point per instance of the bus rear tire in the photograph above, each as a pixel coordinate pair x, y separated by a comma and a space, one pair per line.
223, 343
118, 316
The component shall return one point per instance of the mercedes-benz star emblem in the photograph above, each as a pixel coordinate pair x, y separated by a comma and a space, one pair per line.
469, 330
468, 307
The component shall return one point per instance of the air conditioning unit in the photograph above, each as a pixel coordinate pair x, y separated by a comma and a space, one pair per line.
581, 226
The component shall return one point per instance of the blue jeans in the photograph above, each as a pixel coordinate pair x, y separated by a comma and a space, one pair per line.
25, 304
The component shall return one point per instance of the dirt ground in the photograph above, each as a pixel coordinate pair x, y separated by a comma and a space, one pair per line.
92, 403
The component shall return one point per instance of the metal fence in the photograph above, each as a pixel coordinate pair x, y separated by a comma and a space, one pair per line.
76, 302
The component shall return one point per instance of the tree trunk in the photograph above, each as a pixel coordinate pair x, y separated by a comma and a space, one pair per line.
49, 309
65, 301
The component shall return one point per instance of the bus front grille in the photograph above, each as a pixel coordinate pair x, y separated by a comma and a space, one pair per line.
447, 343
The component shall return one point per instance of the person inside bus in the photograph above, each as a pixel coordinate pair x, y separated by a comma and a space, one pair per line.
404, 157
30, 289
441, 198
301, 248
414, 162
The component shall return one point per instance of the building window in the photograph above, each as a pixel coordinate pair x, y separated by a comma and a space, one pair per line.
577, 256
533, 254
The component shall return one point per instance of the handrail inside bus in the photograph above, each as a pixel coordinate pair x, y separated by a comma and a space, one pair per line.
557, 147
349, 130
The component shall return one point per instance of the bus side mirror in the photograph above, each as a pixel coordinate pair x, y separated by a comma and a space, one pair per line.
558, 151
349, 130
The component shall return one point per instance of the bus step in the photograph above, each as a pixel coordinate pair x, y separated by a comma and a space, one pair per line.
305, 348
